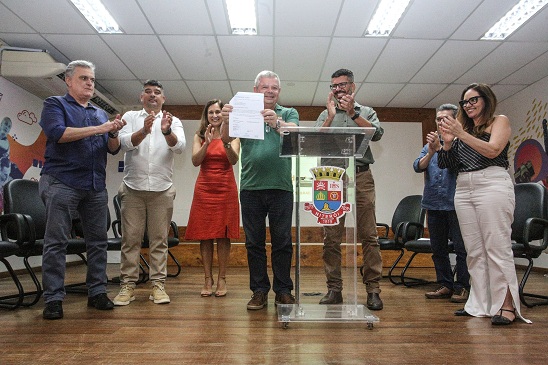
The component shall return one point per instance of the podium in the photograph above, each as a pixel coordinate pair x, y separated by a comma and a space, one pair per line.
324, 194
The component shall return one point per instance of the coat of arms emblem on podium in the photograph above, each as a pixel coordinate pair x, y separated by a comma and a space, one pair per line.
328, 204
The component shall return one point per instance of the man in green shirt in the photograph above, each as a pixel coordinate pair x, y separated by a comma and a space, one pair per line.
266, 189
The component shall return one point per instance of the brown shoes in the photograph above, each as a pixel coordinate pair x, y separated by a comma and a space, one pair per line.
374, 302
332, 297
284, 298
441, 293
460, 296
259, 300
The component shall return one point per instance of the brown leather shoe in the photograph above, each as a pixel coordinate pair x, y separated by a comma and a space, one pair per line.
440, 293
284, 298
259, 300
374, 302
332, 297
460, 296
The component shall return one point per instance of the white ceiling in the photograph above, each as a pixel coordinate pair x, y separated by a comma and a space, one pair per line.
433, 53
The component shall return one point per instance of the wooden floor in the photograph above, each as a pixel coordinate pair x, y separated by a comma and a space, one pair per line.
196, 330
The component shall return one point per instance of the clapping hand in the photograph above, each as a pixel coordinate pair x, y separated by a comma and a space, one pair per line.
167, 119
208, 134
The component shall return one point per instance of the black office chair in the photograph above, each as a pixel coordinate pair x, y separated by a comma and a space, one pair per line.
172, 241
407, 224
11, 301
22, 199
530, 233
418, 246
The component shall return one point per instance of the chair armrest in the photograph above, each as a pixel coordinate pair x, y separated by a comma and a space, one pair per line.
117, 228
21, 225
386, 229
406, 226
175, 229
531, 227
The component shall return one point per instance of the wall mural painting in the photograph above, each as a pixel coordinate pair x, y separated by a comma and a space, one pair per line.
531, 156
18, 160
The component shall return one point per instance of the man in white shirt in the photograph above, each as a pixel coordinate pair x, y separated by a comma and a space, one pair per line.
149, 140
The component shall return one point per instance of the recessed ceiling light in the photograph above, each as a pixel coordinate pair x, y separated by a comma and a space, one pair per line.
514, 19
386, 17
241, 14
97, 15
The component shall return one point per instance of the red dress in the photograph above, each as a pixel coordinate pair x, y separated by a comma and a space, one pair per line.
215, 211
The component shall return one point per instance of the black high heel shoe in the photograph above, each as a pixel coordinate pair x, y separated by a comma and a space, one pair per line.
462, 313
500, 320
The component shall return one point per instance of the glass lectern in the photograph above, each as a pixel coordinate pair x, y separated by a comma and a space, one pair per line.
329, 154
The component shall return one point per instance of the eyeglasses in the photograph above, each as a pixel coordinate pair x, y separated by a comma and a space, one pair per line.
473, 100
342, 85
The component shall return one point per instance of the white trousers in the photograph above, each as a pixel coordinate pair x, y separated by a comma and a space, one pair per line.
484, 202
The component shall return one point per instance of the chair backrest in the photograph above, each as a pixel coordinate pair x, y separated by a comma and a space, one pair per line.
117, 206
22, 196
531, 202
409, 210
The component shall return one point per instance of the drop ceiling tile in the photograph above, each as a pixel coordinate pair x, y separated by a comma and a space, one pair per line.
92, 48
144, 55
52, 16
177, 17
506, 59
402, 59
245, 57
128, 16
365, 52
319, 20
184, 50
306, 52
415, 95
453, 58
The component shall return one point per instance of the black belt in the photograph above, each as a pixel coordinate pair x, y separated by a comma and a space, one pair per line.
362, 168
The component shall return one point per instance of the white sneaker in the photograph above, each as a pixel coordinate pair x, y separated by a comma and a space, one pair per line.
159, 295
125, 296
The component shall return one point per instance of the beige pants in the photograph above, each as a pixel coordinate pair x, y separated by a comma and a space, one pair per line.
140, 209
484, 202
366, 230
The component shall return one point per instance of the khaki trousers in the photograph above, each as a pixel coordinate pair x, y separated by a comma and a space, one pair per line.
366, 231
152, 210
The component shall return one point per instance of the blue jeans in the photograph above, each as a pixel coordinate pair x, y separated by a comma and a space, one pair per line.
278, 206
60, 201
444, 225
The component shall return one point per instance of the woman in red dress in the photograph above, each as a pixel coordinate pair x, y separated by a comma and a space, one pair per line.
215, 211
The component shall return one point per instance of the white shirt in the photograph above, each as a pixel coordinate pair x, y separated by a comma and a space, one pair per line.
149, 166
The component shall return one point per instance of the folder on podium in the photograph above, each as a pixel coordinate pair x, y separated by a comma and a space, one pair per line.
330, 152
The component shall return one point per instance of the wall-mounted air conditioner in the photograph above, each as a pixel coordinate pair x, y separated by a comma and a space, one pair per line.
37, 72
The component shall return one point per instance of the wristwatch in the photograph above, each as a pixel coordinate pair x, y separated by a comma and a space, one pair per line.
277, 124
355, 116
167, 133
228, 145
112, 135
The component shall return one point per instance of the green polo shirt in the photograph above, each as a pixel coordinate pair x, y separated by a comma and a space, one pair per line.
262, 166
